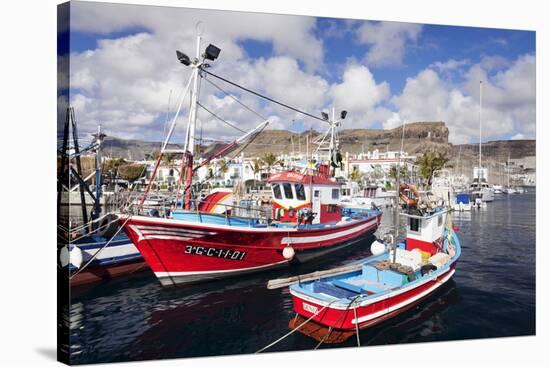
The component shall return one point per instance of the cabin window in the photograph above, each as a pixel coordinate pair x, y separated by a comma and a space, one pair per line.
440, 220
287, 188
414, 224
331, 208
277, 191
316, 194
336, 194
300, 192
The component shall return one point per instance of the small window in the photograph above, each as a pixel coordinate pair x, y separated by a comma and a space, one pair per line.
300, 192
287, 188
336, 194
277, 191
414, 223
440, 220
316, 194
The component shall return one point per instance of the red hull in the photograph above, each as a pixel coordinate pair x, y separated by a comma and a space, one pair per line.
367, 313
187, 252
102, 273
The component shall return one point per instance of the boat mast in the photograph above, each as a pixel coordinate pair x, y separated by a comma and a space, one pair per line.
397, 189
480, 109
190, 143
99, 136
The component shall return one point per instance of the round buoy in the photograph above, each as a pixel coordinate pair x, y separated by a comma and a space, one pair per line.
377, 248
72, 256
288, 253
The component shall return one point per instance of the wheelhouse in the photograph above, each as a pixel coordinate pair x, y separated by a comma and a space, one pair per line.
295, 194
425, 232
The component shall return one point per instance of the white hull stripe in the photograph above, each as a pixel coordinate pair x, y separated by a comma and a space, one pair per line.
163, 237
330, 236
110, 252
178, 235
404, 303
149, 232
163, 274
170, 229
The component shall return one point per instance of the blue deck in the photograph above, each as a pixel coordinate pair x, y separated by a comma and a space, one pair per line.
368, 281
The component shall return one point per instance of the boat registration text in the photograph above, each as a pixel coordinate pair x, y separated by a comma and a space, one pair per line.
215, 252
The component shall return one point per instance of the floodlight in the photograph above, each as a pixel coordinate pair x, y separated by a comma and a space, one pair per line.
324, 115
212, 52
183, 58
343, 114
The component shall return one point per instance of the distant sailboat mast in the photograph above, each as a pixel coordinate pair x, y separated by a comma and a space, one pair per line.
480, 111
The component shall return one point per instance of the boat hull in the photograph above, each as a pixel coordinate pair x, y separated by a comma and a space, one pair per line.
119, 258
368, 313
98, 274
182, 252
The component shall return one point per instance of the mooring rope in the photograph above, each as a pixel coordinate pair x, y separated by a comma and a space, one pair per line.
356, 325
324, 337
295, 329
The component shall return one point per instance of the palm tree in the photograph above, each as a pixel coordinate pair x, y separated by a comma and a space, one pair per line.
223, 167
356, 175
430, 162
257, 166
168, 158
270, 160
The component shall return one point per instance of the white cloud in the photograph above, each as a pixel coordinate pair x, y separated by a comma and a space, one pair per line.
124, 83
291, 35
450, 65
508, 102
360, 95
387, 41
393, 121
518, 136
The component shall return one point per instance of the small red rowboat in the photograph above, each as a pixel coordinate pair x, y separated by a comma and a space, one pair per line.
333, 305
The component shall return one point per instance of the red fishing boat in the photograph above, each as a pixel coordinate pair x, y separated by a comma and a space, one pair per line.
209, 239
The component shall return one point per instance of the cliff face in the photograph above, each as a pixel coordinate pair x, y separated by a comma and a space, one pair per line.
499, 150
419, 137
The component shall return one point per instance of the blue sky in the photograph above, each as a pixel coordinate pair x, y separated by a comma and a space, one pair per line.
125, 76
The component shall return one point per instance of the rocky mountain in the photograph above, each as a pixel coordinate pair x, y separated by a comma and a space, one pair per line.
418, 138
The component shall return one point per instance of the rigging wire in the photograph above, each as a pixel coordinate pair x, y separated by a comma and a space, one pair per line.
219, 118
264, 97
235, 99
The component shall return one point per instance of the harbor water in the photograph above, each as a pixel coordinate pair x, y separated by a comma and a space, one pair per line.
492, 294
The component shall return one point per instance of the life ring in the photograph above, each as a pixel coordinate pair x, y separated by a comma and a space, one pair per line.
411, 202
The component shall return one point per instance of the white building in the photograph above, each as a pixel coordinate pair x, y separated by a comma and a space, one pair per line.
376, 165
